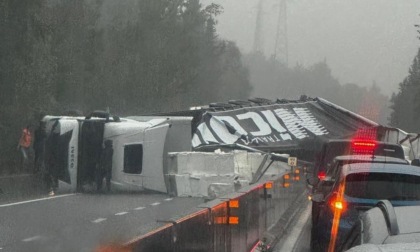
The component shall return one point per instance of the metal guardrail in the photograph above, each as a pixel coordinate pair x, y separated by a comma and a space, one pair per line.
233, 223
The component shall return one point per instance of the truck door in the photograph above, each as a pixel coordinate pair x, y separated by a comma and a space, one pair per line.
61, 150
91, 139
153, 146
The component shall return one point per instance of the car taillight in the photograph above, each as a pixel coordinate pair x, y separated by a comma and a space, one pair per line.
321, 175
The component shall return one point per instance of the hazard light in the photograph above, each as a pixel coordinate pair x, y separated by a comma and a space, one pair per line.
233, 203
233, 220
286, 178
321, 175
268, 185
337, 204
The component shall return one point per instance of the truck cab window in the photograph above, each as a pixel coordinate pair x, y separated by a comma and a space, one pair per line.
133, 158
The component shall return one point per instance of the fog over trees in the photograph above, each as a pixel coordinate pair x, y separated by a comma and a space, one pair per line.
406, 103
272, 79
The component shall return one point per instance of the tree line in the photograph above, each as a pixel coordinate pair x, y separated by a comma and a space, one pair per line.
405, 103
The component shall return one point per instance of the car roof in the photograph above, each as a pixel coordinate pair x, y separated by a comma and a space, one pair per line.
379, 168
370, 158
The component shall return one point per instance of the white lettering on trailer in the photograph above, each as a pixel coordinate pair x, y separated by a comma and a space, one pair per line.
297, 121
220, 125
309, 122
72, 157
263, 128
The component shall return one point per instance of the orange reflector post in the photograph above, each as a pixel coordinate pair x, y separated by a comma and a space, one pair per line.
285, 185
220, 220
297, 178
286, 176
233, 220
268, 185
297, 171
234, 203
112, 248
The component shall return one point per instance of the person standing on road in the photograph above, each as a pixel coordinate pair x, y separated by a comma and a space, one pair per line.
24, 145
51, 159
104, 168
39, 146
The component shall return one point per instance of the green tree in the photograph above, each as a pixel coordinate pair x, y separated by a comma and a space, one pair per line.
405, 104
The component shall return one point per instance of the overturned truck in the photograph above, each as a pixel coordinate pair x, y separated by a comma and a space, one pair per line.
137, 142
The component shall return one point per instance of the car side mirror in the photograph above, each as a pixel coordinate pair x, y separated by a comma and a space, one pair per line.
415, 162
328, 181
313, 181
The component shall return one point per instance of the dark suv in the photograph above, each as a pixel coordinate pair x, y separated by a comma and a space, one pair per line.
339, 147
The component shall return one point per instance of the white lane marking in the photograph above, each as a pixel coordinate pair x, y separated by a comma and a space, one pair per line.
36, 200
155, 204
121, 213
33, 238
99, 220
169, 199
16, 176
293, 236
139, 208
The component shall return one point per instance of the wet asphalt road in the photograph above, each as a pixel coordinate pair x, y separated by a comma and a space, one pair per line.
82, 222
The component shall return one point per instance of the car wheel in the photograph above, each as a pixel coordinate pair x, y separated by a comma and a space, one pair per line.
315, 213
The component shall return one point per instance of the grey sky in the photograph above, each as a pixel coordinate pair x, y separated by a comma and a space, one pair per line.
362, 40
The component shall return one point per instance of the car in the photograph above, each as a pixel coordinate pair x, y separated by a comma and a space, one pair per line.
386, 224
324, 186
359, 187
339, 147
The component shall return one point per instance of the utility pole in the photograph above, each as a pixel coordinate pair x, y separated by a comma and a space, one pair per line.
258, 35
281, 50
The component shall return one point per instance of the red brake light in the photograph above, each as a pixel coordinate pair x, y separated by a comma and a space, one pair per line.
363, 146
321, 175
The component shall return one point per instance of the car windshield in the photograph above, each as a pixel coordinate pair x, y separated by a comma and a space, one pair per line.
389, 186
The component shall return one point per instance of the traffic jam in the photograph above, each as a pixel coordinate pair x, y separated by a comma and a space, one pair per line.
354, 180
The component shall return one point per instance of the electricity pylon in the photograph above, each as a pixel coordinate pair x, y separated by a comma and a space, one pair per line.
281, 50
259, 35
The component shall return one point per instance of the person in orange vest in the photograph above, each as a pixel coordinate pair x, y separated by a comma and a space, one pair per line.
25, 143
